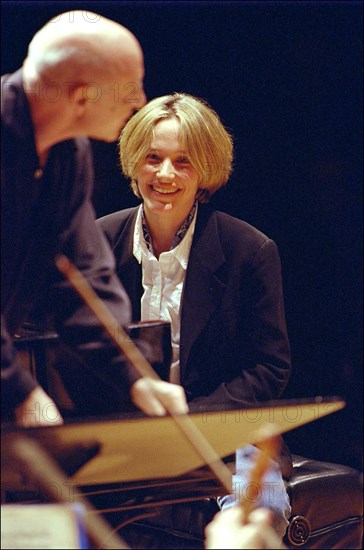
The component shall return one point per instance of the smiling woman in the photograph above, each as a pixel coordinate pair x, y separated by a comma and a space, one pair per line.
176, 151
203, 140
167, 181
215, 278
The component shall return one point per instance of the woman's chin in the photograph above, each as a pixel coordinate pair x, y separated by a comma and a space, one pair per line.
158, 206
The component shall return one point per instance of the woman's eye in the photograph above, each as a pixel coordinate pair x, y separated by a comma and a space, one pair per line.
153, 157
183, 160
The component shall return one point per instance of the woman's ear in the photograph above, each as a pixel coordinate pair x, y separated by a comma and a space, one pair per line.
135, 188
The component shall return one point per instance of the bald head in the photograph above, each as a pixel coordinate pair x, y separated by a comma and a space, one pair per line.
81, 45
83, 75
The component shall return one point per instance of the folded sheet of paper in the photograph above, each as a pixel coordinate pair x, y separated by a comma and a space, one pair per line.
137, 448
42, 526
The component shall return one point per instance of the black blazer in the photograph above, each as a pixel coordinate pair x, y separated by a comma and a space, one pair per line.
233, 346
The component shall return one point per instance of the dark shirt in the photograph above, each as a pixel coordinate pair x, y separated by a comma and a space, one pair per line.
46, 212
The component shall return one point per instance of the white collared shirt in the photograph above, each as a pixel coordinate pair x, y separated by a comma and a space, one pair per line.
163, 281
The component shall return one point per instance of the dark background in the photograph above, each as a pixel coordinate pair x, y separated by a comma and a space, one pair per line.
286, 78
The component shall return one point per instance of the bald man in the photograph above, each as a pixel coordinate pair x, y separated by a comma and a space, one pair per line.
83, 76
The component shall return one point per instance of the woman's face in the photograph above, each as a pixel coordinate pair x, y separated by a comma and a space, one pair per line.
167, 181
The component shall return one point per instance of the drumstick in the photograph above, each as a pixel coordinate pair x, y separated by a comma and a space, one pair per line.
139, 362
269, 444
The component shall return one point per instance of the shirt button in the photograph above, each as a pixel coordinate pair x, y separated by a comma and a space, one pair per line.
38, 174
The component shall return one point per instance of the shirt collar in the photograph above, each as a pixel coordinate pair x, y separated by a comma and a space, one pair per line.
139, 245
142, 242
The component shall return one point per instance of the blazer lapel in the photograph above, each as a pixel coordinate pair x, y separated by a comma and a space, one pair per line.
203, 287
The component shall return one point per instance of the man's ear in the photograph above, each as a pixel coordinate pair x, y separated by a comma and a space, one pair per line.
79, 99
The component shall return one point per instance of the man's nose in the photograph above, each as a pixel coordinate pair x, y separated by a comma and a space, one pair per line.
142, 98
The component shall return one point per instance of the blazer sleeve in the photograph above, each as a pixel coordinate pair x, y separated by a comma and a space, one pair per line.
16, 382
84, 243
258, 353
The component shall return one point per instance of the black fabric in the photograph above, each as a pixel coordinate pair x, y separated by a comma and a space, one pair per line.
326, 499
330, 497
234, 347
41, 217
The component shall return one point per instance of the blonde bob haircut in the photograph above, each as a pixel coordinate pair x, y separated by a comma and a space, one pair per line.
205, 140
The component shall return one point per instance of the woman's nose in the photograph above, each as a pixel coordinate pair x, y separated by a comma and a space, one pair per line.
165, 169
